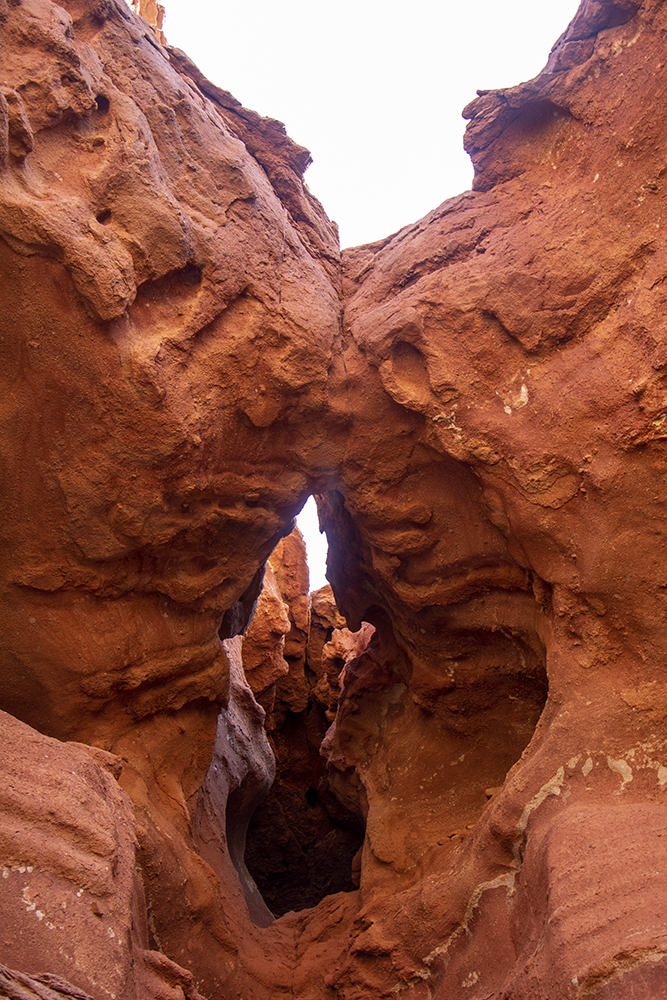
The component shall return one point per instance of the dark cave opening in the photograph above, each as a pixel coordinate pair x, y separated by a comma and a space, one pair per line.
302, 843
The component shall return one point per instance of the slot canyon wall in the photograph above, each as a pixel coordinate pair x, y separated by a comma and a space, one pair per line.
452, 782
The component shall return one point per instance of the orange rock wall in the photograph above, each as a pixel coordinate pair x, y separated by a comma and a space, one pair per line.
483, 427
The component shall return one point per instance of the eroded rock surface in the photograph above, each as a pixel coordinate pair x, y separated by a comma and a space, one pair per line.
485, 433
166, 356
72, 905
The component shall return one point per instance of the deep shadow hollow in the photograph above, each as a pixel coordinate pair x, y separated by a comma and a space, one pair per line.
301, 842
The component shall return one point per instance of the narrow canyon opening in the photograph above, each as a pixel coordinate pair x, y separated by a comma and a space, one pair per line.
470, 702
302, 843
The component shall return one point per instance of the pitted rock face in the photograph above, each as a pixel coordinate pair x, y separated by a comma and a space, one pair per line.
170, 336
486, 436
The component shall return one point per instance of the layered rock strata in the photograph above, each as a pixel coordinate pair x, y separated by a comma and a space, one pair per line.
484, 431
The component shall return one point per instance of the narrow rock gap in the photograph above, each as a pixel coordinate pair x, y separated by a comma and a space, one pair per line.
302, 844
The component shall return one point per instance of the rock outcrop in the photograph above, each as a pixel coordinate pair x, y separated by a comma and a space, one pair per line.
484, 430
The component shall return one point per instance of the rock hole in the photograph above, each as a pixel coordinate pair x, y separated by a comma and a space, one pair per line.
104, 216
535, 116
102, 104
405, 376
312, 798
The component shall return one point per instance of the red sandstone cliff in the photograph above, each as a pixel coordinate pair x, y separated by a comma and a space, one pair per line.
485, 434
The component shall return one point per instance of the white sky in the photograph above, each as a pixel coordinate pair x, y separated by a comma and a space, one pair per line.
373, 88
